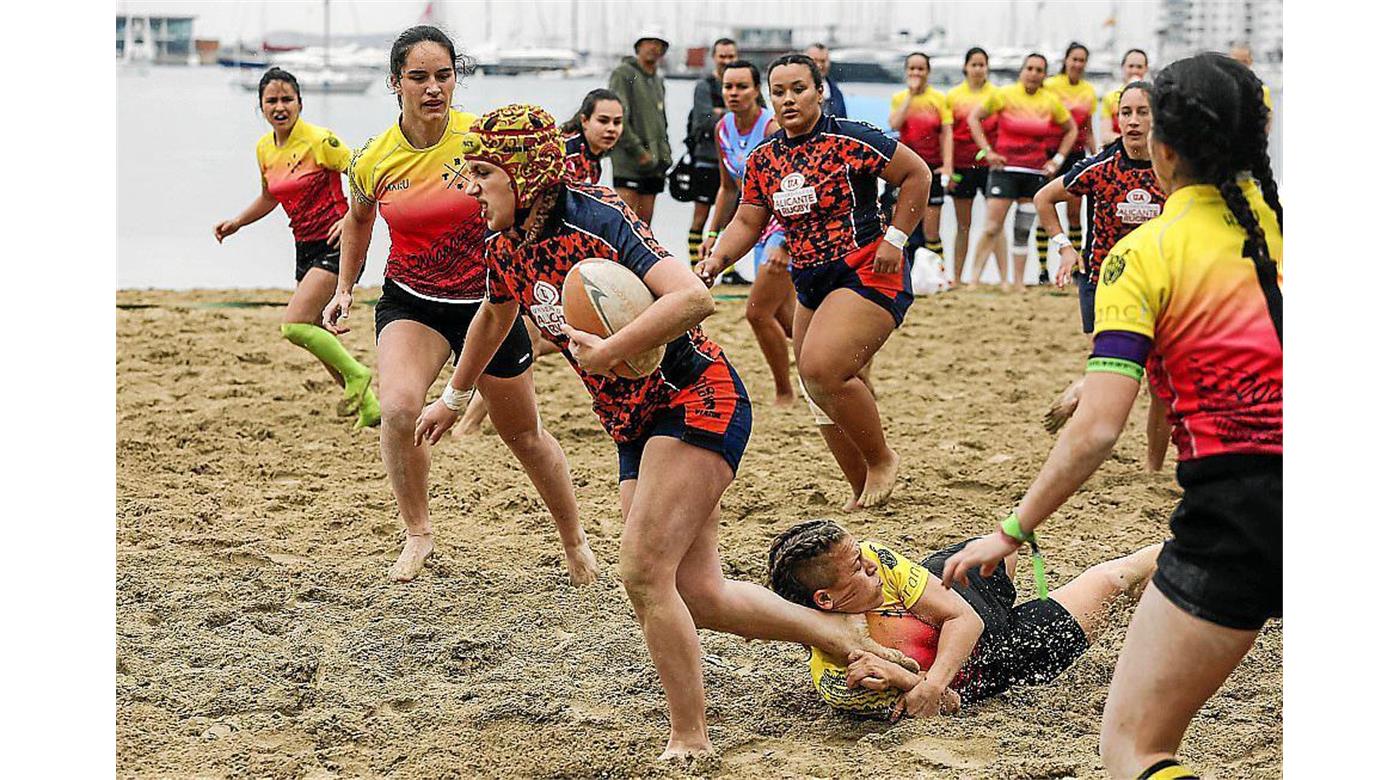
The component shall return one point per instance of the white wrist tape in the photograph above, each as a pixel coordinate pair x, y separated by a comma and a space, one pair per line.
1059, 241
896, 237
455, 399
1058, 159
945, 179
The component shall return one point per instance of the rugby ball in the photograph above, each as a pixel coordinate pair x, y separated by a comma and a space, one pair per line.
601, 297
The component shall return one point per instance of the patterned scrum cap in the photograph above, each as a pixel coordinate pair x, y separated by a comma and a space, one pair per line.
521, 139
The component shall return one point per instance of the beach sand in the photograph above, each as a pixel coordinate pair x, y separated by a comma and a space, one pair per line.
259, 636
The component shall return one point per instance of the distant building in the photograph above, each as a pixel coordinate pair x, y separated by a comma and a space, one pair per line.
165, 40
1186, 27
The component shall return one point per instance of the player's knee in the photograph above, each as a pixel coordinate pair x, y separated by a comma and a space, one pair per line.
1024, 220
399, 410
642, 575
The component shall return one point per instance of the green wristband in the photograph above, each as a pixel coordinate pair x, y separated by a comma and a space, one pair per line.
1115, 366
1011, 526
712, 234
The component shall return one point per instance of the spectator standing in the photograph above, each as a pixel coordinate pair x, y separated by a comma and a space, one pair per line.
643, 155
706, 110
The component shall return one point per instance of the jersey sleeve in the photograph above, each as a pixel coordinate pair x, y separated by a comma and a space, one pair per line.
1058, 112
361, 175
903, 579
945, 110
752, 193
869, 150
636, 246
331, 153
897, 98
1110, 103
1132, 288
993, 103
1084, 176
496, 292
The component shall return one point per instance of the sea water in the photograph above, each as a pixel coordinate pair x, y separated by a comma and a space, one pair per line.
185, 161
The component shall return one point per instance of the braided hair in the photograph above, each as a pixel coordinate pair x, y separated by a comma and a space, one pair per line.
792, 554
1210, 110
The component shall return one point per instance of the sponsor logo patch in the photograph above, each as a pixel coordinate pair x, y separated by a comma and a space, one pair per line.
1113, 267
1138, 208
794, 198
546, 311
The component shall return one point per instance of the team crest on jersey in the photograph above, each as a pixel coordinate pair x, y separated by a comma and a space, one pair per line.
546, 311
1138, 207
1113, 267
794, 198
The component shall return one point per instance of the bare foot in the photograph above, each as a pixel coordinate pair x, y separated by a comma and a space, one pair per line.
416, 550
1064, 406
784, 399
1006, 286
853, 504
684, 751
879, 481
1137, 569
582, 566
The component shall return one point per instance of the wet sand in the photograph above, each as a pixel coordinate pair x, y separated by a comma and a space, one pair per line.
259, 636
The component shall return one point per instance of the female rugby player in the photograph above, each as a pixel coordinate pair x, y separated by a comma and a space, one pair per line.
969, 172
922, 117
301, 166
818, 177
680, 431
772, 300
591, 134
1029, 117
1194, 299
433, 286
1081, 100
1134, 64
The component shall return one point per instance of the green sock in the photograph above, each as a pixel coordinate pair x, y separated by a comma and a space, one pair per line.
324, 345
1042, 246
694, 239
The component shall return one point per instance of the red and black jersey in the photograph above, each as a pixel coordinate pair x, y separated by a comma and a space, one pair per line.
1123, 193
590, 221
580, 163
821, 187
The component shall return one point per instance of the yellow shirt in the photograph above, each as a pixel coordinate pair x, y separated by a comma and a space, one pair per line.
902, 584
1080, 100
928, 114
436, 232
1026, 125
303, 175
962, 100
1181, 281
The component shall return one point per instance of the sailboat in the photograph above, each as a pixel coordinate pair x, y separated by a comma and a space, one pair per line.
342, 69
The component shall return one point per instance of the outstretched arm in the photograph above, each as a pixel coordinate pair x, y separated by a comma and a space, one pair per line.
261, 206
485, 334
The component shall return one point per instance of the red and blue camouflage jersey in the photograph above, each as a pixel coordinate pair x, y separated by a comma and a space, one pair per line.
1123, 193
580, 163
822, 187
590, 221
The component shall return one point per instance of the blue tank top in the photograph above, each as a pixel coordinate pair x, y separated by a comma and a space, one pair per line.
735, 146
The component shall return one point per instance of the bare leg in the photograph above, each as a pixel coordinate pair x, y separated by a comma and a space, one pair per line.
511, 403
848, 458
1153, 695
991, 231
410, 356
476, 409
632, 198
670, 566
772, 292
646, 204
844, 333
962, 208
1088, 596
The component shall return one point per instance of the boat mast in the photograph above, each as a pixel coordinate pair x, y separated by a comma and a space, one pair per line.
326, 34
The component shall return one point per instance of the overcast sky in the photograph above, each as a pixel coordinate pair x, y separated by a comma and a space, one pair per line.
610, 24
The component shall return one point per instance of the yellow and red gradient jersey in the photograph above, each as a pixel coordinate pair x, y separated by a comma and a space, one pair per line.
1026, 125
962, 100
923, 123
1184, 283
902, 583
304, 176
1110, 107
436, 232
1080, 100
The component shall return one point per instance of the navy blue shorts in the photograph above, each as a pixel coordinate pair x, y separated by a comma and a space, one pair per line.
1087, 289
891, 292
712, 413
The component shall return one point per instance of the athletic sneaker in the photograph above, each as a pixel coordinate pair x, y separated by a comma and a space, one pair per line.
1044, 275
